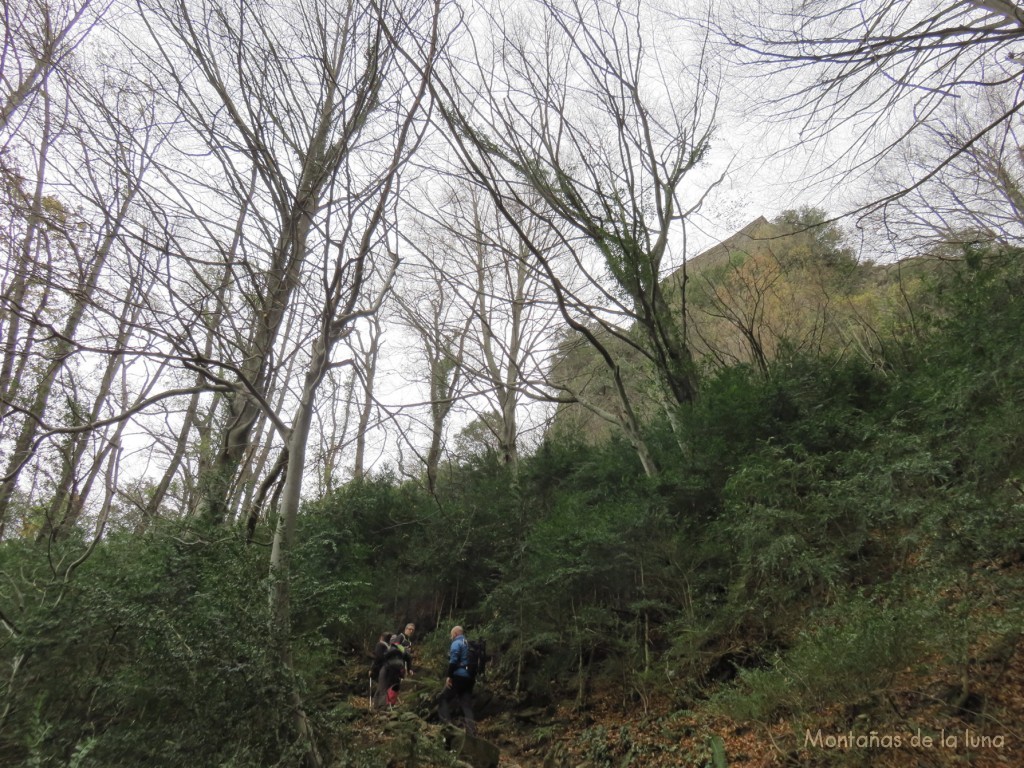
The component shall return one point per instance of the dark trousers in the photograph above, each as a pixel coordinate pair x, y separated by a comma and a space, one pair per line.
390, 677
461, 693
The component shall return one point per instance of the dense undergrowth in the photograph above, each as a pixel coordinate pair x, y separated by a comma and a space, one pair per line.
829, 530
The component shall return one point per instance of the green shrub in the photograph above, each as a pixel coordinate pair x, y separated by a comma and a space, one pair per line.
847, 653
155, 653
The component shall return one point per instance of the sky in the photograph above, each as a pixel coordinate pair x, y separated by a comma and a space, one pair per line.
756, 166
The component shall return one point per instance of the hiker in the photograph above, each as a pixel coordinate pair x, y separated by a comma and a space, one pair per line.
396, 663
458, 684
410, 628
381, 649
383, 643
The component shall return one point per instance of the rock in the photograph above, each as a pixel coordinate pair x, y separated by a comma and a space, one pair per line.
473, 750
535, 716
401, 723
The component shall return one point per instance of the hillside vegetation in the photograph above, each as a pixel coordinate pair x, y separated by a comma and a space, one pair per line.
839, 547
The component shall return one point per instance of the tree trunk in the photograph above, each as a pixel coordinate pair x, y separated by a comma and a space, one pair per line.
284, 540
369, 359
62, 515
63, 347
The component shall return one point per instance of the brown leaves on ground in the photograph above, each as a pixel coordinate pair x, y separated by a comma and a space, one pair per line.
923, 719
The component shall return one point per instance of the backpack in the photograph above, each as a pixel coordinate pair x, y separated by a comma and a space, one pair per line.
395, 656
477, 662
378, 658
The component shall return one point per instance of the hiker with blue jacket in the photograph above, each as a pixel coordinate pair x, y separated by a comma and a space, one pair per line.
458, 684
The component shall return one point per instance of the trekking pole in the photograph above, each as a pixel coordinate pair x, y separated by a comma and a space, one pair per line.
369, 695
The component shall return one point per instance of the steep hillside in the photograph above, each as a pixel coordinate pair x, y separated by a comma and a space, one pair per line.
771, 289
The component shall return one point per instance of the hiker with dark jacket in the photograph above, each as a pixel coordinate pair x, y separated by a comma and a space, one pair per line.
383, 643
458, 684
396, 663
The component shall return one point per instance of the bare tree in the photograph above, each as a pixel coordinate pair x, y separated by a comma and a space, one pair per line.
72, 488
976, 198
39, 37
267, 233
285, 94
348, 262
428, 305
368, 354
880, 72
738, 296
568, 120
773, 285
511, 314
54, 310
339, 391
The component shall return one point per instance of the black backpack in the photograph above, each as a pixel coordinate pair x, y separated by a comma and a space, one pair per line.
477, 662
395, 656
